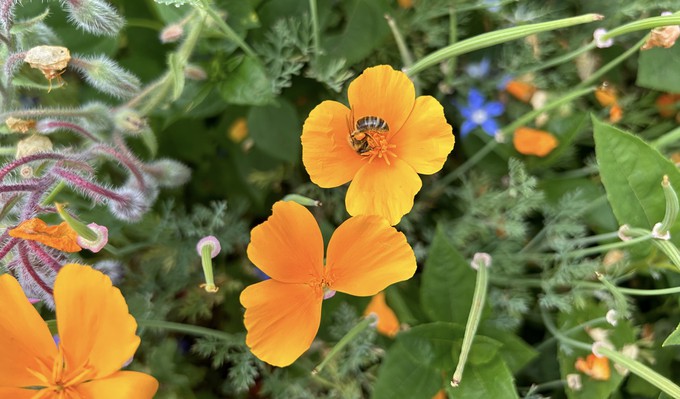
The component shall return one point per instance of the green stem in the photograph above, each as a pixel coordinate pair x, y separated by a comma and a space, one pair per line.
641, 371
79, 227
315, 28
356, 330
580, 327
670, 250
53, 194
595, 77
606, 247
406, 57
559, 60
206, 262
671, 206
595, 238
667, 139
226, 29
643, 24
561, 336
492, 38
185, 328
472, 321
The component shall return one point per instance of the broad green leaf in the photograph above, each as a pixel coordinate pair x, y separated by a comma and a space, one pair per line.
448, 282
491, 380
514, 351
674, 338
653, 67
631, 172
276, 130
484, 349
246, 83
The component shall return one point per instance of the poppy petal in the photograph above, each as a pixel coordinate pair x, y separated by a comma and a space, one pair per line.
25, 340
366, 254
282, 320
17, 393
383, 92
384, 190
122, 384
388, 324
425, 140
288, 246
326, 153
95, 326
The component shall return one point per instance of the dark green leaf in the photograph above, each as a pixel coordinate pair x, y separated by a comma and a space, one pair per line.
247, 83
631, 172
515, 351
448, 282
276, 130
674, 338
654, 66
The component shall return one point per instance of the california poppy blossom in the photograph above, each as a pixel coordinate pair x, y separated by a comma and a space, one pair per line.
381, 143
61, 236
96, 337
388, 324
536, 142
365, 255
595, 367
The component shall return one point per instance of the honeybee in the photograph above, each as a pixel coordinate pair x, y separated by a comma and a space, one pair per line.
360, 136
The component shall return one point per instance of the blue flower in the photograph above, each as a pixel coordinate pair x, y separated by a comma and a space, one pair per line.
478, 70
479, 113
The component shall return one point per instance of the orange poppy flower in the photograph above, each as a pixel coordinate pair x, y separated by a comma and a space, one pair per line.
667, 104
595, 367
61, 236
365, 255
381, 143
522, 91
97, 336
529, 141
388, 324
606, 95
440, 395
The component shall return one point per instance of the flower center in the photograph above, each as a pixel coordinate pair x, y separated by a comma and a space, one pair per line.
59, 379
379, 147
479, 116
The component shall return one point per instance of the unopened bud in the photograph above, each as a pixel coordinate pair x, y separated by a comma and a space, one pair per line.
168, 173
302, 200
106, 76
33, 144
94, 16
129, 121
171, 33
194, 72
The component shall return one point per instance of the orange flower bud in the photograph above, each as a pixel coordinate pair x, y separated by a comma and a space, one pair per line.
666, 104
529, 141
521, 90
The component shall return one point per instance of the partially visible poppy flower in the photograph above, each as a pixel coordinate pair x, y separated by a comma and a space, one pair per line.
405, 3
595, 367
529, 141
388, 324
364, 256
480, 113
238, 130
381, 143
61, 236
607, 97
440, 395
96, 337
522, 91
667, 104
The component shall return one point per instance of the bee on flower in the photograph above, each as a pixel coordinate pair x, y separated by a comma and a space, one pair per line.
381, 142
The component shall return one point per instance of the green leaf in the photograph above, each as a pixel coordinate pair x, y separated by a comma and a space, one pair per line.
246, 83
653, 67
514, 351
150, 141
276, 130
484, 349
674, 338
448, 282
419, 362
492, 380
631, 172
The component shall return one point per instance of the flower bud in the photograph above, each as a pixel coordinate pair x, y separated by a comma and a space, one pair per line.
129, 121
94, 16
106, 76
302, 200
194, 72
171, 33
168, 173
597, 36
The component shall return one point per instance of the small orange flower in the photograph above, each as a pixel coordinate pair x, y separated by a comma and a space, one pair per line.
595, 367
388, 324
238, 130
381, 143
97, 336
615, 113
440, 395
522, 91
365, 255
667, 104
61, 236
606, 95
529, 141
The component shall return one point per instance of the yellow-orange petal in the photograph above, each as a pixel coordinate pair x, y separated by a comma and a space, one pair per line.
522, 91
606, 95
366, 254
61, 236
326, 152
615, 113
440, 395
16, 393
383, 190
529, 141
426, 139
288, 246
666, 104
122, 384
25, 340
595, 367
95, 327
282, 320
383, 92
388, 324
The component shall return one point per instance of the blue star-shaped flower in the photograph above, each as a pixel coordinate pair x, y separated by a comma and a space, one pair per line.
479, 113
